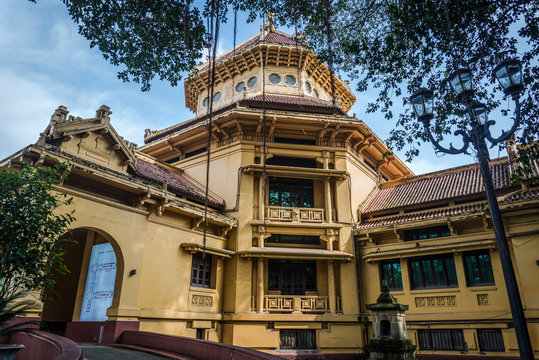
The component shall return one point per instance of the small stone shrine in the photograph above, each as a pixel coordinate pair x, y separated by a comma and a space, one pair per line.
390, 339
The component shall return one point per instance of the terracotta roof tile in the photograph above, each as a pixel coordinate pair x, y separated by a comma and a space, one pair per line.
176, 182
429, 188
271, 38
301, 103
424, 215
296, 103
520, 196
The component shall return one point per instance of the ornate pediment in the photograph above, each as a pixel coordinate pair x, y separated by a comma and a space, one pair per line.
92, 139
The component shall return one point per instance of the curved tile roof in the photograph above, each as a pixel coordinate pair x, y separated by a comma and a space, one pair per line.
444, 185
175, 181
424, 215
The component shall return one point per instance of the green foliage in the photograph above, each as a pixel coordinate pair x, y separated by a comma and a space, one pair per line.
31, 225
394, 46
12, 306
147, 38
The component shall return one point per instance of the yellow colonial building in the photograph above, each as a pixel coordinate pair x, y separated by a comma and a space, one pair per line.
306, 216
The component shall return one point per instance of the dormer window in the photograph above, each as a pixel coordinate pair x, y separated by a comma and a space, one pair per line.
290, 80
274, 79
308, 87
205, 102
240, 87
251, 82
216, 97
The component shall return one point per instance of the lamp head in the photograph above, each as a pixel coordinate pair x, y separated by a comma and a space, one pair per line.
461, 82
479, 112
509, 74
422, 102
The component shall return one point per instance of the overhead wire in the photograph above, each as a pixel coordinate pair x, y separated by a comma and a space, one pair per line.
212, 52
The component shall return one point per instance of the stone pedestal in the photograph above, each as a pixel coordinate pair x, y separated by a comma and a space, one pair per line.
390, 338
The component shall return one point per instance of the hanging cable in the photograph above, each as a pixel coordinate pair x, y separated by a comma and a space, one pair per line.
329, 33
264, 172
212, 51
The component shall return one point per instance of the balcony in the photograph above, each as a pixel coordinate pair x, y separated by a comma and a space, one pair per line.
296, 303
295, 214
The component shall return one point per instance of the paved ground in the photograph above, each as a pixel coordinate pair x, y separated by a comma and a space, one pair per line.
95, 352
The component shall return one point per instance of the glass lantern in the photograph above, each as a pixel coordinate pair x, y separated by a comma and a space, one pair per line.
422, 103
461, 82
479, 112
509, 74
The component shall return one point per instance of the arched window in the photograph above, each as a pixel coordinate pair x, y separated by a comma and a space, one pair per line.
316, 94
308, 87
205, 102
216, 97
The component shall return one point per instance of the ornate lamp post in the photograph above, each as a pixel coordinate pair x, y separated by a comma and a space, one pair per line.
509, 75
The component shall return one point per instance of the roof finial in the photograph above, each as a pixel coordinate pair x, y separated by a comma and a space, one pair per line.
269, 26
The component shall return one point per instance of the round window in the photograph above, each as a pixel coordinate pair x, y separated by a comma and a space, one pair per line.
289, 80
316, 94
308, 87
240, 87
205, 102
216, 97
274, 79
251, 82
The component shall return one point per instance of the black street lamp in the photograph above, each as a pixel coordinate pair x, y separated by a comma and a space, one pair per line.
509, 75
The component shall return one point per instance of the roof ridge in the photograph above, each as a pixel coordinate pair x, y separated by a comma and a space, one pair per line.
443, 172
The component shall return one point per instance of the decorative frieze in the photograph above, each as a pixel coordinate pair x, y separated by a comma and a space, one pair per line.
202, 300
426, 301
482, 299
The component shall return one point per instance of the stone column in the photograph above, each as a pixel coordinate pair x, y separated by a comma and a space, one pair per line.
261, 200
260, 285
327, 192
331, 288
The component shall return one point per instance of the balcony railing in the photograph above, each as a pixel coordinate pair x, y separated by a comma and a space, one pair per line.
298, 303
295, 214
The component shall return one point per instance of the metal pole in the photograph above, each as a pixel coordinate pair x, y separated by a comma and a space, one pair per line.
521, 329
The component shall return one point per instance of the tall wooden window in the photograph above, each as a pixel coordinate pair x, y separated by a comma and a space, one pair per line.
390, 271
201, 270
291, 277
291, 192
490, 340
433, 272
442, 340
478, 268
297, 339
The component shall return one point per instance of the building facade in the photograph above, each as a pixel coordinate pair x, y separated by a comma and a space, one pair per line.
305, 217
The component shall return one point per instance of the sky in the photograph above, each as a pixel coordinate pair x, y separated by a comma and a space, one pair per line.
45, 63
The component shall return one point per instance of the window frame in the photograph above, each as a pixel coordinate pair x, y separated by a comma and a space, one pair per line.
431, 258
295, 334
454, 336
275, 76
281, 185
198, 260
482, 333
276, 269
382, 272
476, 254
416, 234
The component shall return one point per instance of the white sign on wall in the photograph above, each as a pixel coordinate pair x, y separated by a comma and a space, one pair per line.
99, 283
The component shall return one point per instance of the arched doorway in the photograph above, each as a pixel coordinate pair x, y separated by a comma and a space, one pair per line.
87, 290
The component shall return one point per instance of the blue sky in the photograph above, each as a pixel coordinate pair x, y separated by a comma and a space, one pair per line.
45, 63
